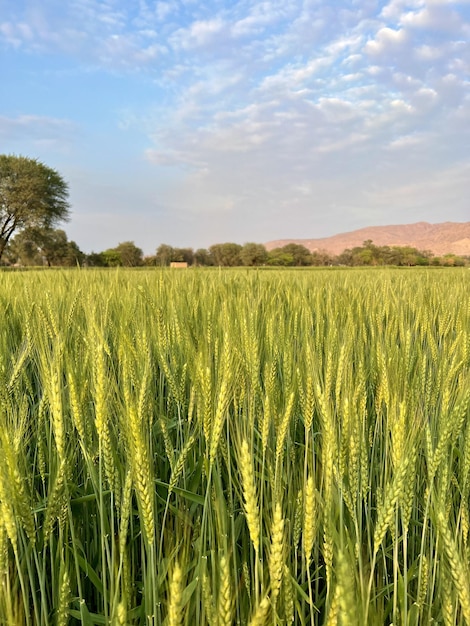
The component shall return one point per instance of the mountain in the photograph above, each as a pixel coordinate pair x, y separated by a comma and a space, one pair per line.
448, 237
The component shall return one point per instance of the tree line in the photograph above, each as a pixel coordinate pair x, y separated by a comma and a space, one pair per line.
34, 200
50, 247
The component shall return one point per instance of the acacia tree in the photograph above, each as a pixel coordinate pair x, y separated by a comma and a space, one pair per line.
32, 195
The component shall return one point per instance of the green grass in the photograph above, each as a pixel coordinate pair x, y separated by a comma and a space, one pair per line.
235, 447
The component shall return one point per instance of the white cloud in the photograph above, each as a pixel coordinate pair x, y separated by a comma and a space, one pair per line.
336, 110
406, 142
426, 52
386, 41
424, 97
344, 44
433, 18
260, 16
292, 77
393, 9
200, 34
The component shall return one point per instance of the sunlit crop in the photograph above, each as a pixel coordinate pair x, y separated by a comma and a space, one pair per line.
235, 447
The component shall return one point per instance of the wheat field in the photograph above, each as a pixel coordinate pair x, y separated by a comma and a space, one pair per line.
235, 447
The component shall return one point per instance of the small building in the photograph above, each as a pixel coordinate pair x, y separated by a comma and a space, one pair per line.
179, 264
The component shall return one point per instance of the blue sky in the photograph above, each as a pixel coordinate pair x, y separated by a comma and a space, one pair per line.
191, 123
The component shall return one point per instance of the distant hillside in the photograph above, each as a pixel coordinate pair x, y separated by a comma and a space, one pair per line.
448, 237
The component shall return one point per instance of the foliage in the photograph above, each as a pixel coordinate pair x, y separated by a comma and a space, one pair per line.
96, 259
130, 254
235, 447
167, 254
322, 258
253, 254
300, 254
111, 258
226, 254
203, 257
183, 255
290, 255
125, 254
44, 246
31, 195
280, 258
164, 255
370, 254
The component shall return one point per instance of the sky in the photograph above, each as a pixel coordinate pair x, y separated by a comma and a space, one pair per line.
191, 122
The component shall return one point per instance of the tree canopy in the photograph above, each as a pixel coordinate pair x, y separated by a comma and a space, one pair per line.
226, 254
32, 195
167, 254
125, 254
253, 254
43, 246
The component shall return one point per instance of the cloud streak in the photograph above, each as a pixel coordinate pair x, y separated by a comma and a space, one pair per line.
37, 130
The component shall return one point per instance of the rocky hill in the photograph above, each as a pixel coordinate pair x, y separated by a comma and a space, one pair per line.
448, 237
